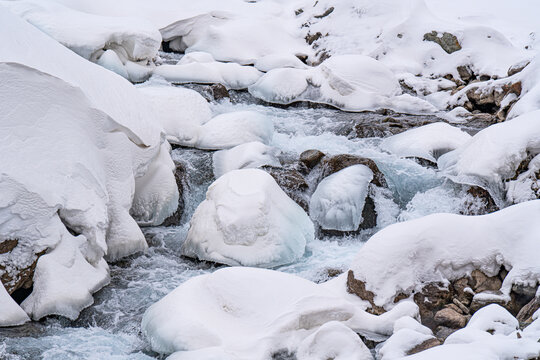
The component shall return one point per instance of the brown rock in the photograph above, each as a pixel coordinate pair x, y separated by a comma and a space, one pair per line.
8, 245
310, 158
484, 195
333, 164
428, 344
291, 182
525, 314
311, 38
431, 299
450, 318
481, 282
179, 176
476, 304
358, 288
465, 73
462, 295
516, 68
325, 14
219, 91
19, 278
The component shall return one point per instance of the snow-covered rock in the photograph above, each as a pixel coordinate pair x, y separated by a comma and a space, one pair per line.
231, 129
181, 112
248, 220
11, 314
339, 199
426, 142
249, 155
278, 61
494, 154
119, 40
405, 256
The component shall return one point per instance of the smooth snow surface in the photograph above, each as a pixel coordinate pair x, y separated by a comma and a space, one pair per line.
443, 247
339, 199
248, 220
11, 314
249, 155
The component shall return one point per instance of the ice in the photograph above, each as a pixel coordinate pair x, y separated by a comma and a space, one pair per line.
339, 199
453, 245
249, 155
248, 220
228, 130
426, 142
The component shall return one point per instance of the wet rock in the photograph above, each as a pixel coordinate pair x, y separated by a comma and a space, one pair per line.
449, 317
516, 68
310, 158
430, 300
358, 288
332, 164
446, 41
525, 314
219, 92
428, 344
180, 177
292, 182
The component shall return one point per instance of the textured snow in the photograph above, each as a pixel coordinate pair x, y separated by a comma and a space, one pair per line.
231, 129
443, 247
426, 142
339, 199
248, 220
249, 155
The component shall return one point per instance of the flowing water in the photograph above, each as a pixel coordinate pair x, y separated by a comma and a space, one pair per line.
110, 329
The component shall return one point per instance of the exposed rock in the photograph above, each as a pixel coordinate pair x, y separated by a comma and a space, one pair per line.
516, 68
311, 38
481, 282
325, 14
430, 300
358, 288
219, 92
463, 292
17, 278
451, 318
465, 73
525, 314
332, 164
442, 332
428, 344
310, 158
490, 100
8, 245
180, 177
292, 182
462, 308
478, 303
447, 41
483, 194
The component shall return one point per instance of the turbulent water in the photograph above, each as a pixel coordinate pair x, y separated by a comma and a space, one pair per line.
110, 329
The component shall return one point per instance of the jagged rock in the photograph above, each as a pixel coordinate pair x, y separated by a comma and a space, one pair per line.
481, 282
180, 177
310, 158
447, 41
430, 300
489, 100
428, 344
525, 314
516, 68
465, 73
358, 288
292, 182
451, 318
333, 164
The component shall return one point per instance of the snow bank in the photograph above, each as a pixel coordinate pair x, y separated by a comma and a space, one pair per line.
403, 257
249, 314
228, 130
249, 155
248, 220
339, 199
119, 39
73, 158
426, 142
494, 154
181, 112
11, 314
348, 82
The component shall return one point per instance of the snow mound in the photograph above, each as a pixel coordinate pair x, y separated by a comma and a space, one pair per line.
249, 155
120, 40
426, 142
181, 112
249, 314
248, 220
11, 314
277, 61
231, 75
339, 199
228, 130
403, 257
494, 154
348, 82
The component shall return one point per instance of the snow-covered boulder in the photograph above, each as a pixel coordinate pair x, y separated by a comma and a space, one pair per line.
248, 220
181, 112
231, 129
278, 61
249, 155
494, 154
75, 157
339, 199
404, 257
110, 41
427, 142
11, 314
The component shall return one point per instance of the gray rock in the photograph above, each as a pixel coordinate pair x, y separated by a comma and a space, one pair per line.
447, 41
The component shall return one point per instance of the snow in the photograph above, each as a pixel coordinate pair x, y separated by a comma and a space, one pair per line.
339, 199
231, 129
277, 61
11, 314
92, 36
437, 248
426, 142
494, 154
181, 112
248, 220
249, 155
